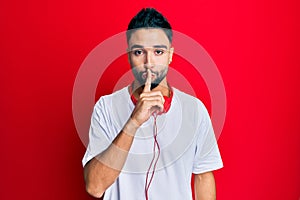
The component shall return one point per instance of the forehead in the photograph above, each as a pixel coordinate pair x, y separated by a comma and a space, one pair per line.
148, 37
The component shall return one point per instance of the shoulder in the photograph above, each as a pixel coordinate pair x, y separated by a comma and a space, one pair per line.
113, 98
187, 100
192, 108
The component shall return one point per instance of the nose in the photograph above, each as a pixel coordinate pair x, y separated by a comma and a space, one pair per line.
148, 60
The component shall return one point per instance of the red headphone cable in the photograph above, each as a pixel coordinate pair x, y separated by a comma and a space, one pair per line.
155, 144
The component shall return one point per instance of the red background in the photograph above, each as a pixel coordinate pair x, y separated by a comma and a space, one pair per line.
255, 45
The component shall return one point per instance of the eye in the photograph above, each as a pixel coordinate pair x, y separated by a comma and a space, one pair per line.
159, 52
138, 52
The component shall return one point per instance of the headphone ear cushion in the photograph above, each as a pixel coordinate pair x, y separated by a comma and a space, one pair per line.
168, 101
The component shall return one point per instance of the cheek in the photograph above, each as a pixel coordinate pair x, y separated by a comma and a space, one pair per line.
135, 61
162, 60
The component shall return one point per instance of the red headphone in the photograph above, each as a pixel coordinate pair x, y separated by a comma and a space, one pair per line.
167, 104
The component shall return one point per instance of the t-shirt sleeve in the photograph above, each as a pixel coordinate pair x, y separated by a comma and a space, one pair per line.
207, 155
99, 132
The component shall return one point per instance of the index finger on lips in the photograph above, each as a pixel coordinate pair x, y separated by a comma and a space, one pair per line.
147, 87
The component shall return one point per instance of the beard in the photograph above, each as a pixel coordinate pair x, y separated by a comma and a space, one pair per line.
159, 77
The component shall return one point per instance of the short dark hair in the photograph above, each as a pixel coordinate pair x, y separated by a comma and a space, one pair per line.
149, 18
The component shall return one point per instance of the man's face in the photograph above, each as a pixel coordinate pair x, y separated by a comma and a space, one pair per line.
149, 48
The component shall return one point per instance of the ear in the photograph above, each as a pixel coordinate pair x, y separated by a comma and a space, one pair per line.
171, 54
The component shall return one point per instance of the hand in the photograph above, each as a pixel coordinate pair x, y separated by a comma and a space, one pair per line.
149, 102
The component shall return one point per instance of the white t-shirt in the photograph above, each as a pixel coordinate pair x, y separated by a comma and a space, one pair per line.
185, 136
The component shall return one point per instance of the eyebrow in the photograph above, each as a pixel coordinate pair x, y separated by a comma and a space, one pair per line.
155, 46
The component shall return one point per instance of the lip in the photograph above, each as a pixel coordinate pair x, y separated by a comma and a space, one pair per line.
144, 75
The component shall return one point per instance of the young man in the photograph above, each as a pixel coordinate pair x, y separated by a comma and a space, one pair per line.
147, 139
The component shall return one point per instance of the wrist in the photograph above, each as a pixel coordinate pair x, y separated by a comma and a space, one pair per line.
131, 127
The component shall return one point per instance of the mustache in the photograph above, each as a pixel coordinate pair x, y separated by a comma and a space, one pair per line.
152, 72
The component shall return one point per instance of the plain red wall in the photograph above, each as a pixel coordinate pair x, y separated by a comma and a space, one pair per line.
255, 45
